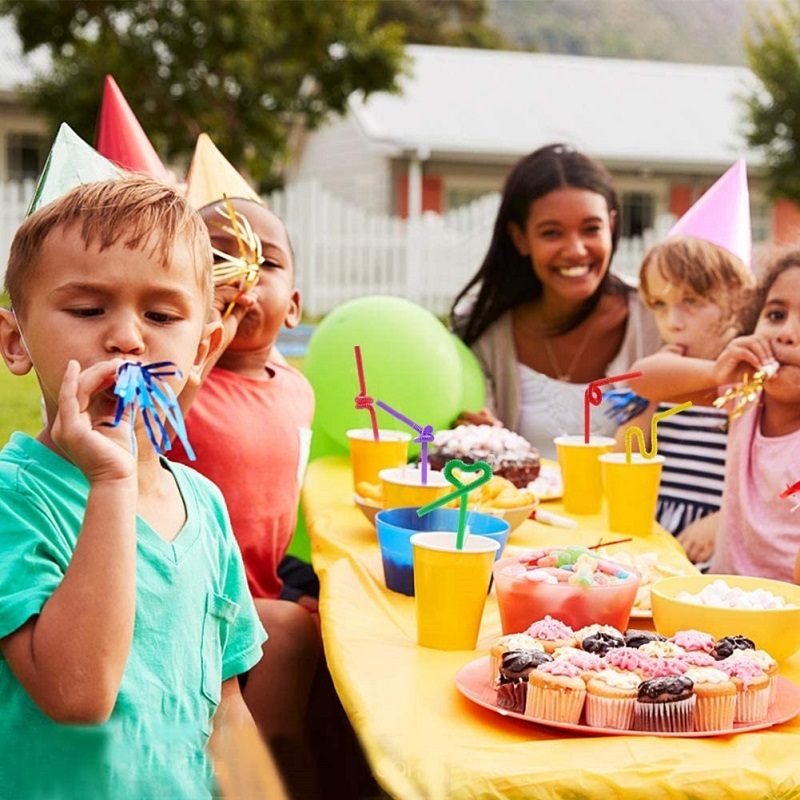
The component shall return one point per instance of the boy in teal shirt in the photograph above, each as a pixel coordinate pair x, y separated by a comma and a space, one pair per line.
124, 611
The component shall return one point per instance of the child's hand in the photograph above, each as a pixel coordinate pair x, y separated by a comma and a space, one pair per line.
698, 539
242, 303
743, 354
101, 452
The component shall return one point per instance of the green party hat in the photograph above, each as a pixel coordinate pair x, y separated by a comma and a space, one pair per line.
70, 163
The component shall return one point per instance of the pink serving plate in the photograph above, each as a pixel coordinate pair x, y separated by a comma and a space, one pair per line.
472, 683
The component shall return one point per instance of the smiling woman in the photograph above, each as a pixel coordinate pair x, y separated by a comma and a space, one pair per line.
544, 314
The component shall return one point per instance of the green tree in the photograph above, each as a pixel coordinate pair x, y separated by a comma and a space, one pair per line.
456, 23
773, 107
247, 72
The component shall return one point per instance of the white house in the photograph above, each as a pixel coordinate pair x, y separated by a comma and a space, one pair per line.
23, 135
666, 131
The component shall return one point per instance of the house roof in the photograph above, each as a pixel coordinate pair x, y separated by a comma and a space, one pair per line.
499, 105
17, 69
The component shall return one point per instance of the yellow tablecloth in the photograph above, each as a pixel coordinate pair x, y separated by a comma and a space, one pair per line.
424, 740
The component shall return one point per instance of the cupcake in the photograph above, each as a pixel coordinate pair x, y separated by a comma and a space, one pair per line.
581, 634
636, 638
626, 659
696, 658
728, 644
601, 642
505, 644
716, 699
551, 633
665, 705
587, 663
556, 692
664, 667
515, 668
661, 650
752, 688
692, 641
611, 698
766, 662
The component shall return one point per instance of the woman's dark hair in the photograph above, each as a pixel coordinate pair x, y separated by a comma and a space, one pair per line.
775, 264
506, 277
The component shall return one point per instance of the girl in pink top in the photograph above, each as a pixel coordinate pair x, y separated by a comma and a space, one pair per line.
756, 532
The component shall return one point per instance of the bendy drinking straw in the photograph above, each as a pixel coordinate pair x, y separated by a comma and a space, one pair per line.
461, 492
593, 396
636, 433
363, 400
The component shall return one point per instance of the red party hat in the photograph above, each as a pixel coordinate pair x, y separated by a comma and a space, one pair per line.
120, 137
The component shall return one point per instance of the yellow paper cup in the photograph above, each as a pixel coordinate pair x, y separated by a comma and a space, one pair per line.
450, 587
580, 471
402, 487
369, 457
631, 492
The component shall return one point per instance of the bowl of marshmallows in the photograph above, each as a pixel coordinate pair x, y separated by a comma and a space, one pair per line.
764, 610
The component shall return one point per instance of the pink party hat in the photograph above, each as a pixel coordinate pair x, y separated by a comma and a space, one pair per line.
722, 215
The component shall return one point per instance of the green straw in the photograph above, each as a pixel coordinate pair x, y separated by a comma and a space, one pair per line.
461, 492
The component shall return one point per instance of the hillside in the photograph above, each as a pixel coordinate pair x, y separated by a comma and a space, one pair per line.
698, 31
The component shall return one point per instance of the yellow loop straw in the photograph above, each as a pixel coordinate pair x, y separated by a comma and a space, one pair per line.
636, 432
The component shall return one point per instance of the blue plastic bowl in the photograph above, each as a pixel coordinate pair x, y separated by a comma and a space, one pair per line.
396, 526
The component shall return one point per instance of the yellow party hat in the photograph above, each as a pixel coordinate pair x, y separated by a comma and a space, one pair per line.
212, 177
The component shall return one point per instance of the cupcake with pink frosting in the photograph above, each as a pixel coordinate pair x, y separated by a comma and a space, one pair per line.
693, 641
752, 688
697, 658
766, 662
664, 667
556, 692
627, 659
587, 663
552, 633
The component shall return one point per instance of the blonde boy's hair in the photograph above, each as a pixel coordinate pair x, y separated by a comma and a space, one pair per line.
129, 209
711, 272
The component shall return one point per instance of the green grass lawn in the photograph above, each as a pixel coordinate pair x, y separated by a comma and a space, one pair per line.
19, 404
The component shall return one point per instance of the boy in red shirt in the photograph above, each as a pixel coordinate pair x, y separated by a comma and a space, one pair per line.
249, 425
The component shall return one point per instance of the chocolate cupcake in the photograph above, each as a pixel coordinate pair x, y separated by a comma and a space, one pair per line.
515, 668
665, 705
726, 646
600, 643
634, 638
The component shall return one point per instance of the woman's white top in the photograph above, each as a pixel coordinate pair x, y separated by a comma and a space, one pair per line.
550, 408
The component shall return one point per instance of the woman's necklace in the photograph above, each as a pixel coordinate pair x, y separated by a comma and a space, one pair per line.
566, 375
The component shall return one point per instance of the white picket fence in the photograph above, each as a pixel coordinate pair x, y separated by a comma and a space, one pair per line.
343, 251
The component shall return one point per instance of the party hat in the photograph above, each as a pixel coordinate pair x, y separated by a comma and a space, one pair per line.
70, 163
120, 137
212, 177
722, 215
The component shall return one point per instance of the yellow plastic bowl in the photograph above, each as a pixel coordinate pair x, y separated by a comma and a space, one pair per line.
775, 630
513, 516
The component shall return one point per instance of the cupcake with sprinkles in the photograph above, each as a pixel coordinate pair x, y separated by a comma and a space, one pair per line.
556, 692
716, 699
551, 633
665, 705
693, 641
752, 688
515, 668
508, 643
611, 699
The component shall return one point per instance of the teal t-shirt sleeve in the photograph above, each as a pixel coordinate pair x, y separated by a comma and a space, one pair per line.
33, 558
242, 649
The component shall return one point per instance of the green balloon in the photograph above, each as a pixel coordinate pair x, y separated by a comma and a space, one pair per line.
411, 363
323, 445
473, 383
